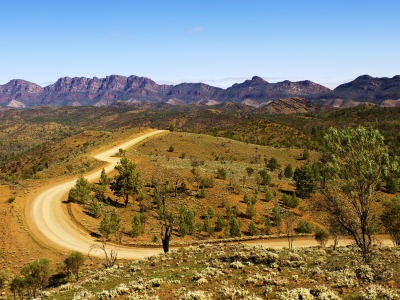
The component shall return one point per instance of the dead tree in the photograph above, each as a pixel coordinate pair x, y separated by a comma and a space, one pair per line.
166, 228
110, 253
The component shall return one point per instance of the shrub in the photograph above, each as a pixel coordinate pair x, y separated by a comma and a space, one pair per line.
3, 277
265, 177
136, 225
321, 236
171, 148
221, 173
306, 154
305, 227
391, 185
183, 155
11, 200
252, 228
74, 262
305, 180
272, 163
154, 239
288, 171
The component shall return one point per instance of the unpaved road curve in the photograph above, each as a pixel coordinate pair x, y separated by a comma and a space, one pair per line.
49, 223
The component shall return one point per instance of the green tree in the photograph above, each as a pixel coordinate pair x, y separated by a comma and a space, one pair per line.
220, 222
267, 225
288, 172
391, 219
17, 287
276, 214
171, 148
321, 236
251, 211
228, 212
210, 212
268, 195
236, 211
272, 163
80, 193
252, 228
304, 227
249, 171
105, 226
38, 273
127, 182
359, 159
235, 230
207, 225
74, 262
306, 154
305, 180
136, 225
94, 208
391, 185
171, 127
265, 177
203, 192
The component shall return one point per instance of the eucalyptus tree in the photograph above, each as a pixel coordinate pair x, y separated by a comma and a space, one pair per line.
127, 182
358, 161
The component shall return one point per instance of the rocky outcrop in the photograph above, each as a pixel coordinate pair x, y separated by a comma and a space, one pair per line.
291, 106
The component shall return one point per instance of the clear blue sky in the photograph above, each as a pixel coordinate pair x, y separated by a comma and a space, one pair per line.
218, 42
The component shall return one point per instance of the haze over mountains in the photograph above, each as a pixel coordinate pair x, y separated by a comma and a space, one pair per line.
134, 90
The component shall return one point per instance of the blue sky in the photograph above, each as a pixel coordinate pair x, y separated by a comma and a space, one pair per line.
217, 42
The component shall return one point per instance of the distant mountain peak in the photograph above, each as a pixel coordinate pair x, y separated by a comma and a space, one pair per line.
258, 79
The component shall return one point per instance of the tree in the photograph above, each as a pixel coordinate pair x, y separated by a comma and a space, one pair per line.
80, 193
321, 236
136, 225
235, 230
171, 127
391, 219
359, 159
305, 180
105, 226
305, 227
207, 225
220, 223
127, 182
252, 228
37, 274
268, 195
276, 215
288, 172
306, 154
249, 171
210, 212
17, 287
74, 262
289, 220
251, 211
391, 185
265, 177
272, 164
94, 208
171, 148
167, 226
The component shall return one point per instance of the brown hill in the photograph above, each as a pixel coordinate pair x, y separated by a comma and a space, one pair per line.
291, 106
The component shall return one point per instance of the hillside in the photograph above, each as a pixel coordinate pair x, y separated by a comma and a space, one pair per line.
383, 91
292, 106
81, 91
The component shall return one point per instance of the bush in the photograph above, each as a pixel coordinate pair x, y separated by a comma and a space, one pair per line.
305, 180
221, 173
154, 239
288, 171
3, 277
11, 200
265, 177
306, 154
391, 185
305, 227
321, 236
252, 228
268, 195
171, 148
74, 262
272, 164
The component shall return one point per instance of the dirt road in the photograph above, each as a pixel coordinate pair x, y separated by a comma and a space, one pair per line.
50, 225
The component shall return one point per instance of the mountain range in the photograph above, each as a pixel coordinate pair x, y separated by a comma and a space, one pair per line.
134, 90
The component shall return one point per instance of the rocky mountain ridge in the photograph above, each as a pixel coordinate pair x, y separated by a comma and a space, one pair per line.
80, 91
255, 92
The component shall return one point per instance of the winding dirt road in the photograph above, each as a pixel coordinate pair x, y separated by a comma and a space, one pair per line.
49, 223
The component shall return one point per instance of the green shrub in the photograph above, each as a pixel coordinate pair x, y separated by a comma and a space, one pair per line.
321, 236
305, 227
11, 200
221, 173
